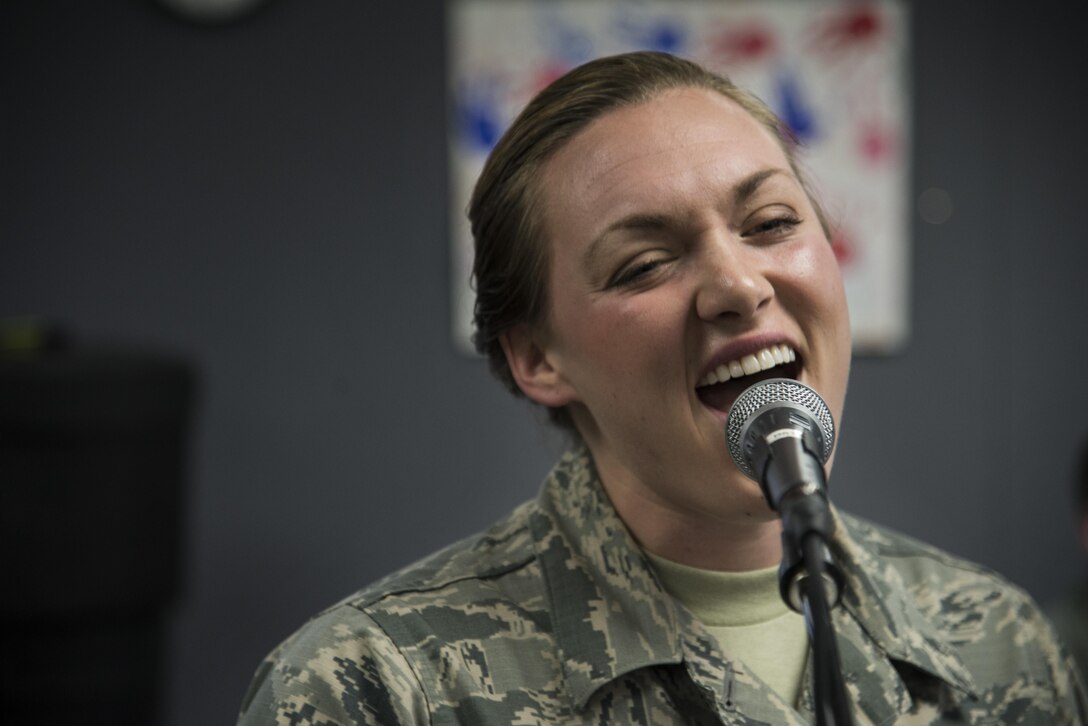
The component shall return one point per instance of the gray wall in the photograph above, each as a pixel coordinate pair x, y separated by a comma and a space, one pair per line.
269, 199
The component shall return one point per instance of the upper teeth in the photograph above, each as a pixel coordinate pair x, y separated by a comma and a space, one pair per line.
769, 357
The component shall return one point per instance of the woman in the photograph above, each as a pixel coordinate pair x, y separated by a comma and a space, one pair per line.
646, 248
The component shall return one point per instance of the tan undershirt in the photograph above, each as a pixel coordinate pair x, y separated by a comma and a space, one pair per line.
744, 611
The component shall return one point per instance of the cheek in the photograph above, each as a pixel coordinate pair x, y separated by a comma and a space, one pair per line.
815, 285
812, 291
619, 340
618, 328
819, 302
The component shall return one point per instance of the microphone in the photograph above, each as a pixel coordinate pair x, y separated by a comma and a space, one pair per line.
768, 412
780, 434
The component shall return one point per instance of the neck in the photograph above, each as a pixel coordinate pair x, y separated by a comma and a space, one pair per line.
704, 542
732, 531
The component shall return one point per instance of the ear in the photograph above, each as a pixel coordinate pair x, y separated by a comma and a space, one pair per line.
535, 367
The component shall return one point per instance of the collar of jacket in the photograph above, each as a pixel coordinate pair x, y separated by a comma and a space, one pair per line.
611, 615
877, 597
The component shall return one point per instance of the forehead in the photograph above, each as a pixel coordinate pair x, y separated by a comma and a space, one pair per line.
677, 147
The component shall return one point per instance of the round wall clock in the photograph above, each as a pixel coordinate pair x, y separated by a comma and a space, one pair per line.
211, 12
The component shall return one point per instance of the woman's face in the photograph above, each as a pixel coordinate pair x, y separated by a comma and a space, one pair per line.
682, 246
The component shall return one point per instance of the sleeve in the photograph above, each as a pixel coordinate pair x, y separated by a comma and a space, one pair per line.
1072, 692
1054, 666
340, 669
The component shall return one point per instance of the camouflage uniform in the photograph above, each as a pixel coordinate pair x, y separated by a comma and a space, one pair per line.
554, 616
1070, 618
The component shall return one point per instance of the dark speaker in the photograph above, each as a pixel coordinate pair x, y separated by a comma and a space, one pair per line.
92, 494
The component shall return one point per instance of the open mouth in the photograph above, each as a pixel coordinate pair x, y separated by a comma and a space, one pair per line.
721, 387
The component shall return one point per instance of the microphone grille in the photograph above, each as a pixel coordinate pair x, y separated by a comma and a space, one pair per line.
769, 392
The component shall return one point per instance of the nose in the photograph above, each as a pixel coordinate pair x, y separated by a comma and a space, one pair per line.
732, 282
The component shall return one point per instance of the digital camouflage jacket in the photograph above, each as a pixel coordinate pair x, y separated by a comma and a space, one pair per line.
554, 616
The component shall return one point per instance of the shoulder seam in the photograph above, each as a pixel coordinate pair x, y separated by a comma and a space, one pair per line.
923, 550
362, 604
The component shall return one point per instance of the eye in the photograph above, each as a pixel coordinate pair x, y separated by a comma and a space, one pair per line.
637, 271
777, 226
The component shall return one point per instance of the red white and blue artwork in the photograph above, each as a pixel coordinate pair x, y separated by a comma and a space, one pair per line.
834, 70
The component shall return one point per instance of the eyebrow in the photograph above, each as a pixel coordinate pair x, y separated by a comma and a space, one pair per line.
743, 190
747, 188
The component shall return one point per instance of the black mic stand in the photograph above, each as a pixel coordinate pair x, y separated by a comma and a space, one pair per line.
809, 580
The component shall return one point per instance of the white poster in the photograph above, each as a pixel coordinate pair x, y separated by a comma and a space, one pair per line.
835, 71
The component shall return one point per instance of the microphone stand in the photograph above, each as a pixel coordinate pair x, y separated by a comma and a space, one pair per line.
832, 706
809, 580
807, 576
